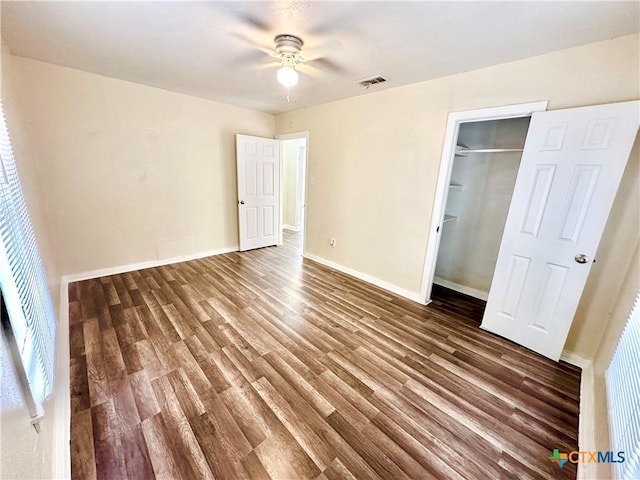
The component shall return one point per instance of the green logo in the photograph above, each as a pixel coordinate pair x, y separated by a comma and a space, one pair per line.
559, 458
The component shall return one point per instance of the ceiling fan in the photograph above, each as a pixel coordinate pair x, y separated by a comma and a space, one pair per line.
288, 49
260, 20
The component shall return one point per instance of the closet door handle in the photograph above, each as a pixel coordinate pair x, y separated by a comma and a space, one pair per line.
581, 258
241, 202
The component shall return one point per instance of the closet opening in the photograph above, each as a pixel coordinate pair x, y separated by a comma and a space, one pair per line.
486, 161
478, 171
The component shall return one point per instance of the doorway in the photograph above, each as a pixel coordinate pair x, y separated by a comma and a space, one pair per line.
483, 175
293, 156
474, 138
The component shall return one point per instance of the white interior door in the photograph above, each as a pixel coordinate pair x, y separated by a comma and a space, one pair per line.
258, 163
571, 166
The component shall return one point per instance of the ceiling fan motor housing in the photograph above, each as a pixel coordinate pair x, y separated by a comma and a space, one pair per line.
287, 44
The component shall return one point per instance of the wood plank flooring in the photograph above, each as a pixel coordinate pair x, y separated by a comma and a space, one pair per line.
263, 365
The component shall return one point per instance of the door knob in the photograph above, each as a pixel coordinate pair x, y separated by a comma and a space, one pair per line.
581, 258
241, 202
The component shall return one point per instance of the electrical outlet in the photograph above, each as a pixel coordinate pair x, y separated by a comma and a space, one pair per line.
332, 242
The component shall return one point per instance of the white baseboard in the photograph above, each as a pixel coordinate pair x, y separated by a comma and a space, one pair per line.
586, 425
366, 278
104, 272
472, 292
61, 450
586, 422
575, 360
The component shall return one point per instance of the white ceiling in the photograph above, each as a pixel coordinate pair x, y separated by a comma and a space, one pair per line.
213, 49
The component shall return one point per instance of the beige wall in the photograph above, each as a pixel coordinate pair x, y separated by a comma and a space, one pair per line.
375, 160
132, 173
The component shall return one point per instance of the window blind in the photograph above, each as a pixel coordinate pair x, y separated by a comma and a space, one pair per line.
623, 396
23, 283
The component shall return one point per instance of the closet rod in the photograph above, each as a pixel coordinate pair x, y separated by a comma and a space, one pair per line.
465, 151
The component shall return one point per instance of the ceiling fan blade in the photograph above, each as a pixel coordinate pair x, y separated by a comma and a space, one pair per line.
308, 69
250, 57
325, 49
255, 22
254, 44
329, 65
267, 66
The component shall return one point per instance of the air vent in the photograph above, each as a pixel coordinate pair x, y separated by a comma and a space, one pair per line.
367, 82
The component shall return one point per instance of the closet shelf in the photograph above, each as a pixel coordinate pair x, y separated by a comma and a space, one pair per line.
450, 218
463, 151
455, 186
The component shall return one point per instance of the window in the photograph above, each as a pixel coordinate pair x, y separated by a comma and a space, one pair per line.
623, 394
24, 286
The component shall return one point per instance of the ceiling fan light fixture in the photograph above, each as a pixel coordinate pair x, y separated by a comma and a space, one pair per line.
288, 76
288, 50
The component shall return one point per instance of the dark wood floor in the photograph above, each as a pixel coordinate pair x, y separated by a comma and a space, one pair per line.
263, 365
